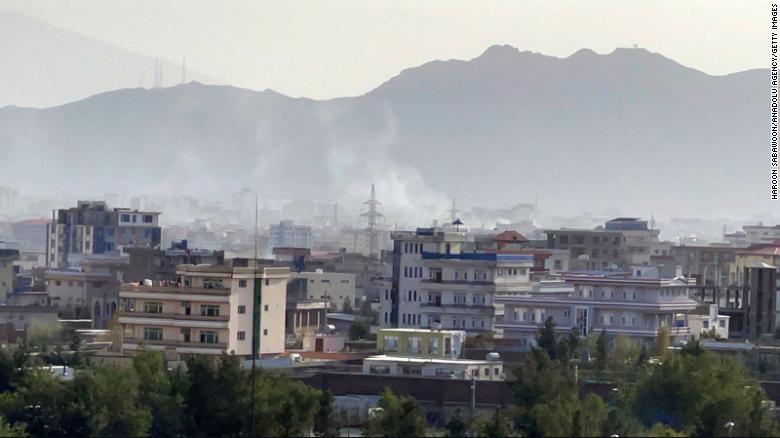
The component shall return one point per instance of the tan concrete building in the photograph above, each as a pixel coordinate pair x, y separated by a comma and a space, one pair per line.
7, 259
210, 310
332, 287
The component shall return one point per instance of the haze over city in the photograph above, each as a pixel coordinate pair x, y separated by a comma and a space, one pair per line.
389, 218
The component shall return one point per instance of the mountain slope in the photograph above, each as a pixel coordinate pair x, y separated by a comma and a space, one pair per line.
45, 66
630, 129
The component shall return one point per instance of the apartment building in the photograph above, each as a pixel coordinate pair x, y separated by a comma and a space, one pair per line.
90, 291
400, 295
160, 265
332, 287
32, 232
752, 305
761, 233
209, 310
460, 289
590, 250
641, 241
617, 303
7, 274
710, 265
92, 228
288, 234
753, 255
441, 279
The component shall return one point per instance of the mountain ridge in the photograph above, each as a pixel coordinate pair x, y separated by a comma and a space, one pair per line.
503, 127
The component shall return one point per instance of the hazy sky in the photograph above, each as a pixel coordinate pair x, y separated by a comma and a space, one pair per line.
324, 49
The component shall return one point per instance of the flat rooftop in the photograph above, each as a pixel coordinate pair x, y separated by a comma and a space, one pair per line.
423, 360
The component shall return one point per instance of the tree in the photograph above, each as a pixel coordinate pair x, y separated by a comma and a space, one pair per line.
573, 342
164, 400
399, 416
546, 339
346, 307
283, 407
456, 427
659, 430
7, 430
590, 416
325, 421
358, 330
545, 393
366, 311
498, 426
602, 351
662, 342
698, 393
108, 397
624, 352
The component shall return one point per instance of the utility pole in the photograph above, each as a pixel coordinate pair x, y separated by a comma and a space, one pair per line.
255, 338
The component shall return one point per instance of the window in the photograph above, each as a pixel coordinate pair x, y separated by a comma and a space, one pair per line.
496, 371
414, 344
722, 323
705, 324
565, 313
212, 283
209, 310
148, 219
242, 309
207, 337
379, 369
241, 283
486, 372
241, 336
152, 307
125, 218
153, 334
433, 348
391, 343
265, 332
266, 307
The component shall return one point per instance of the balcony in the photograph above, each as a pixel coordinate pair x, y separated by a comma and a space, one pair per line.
174, 343
172, 288
174, 316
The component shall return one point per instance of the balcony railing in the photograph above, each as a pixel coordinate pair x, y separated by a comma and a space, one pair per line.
173, 288
177, 316
175, 343
458, 306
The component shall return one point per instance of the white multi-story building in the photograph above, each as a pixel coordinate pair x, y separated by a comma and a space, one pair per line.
211, 310
437, 281
93, 228
618, 304
761, 233
287, 234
